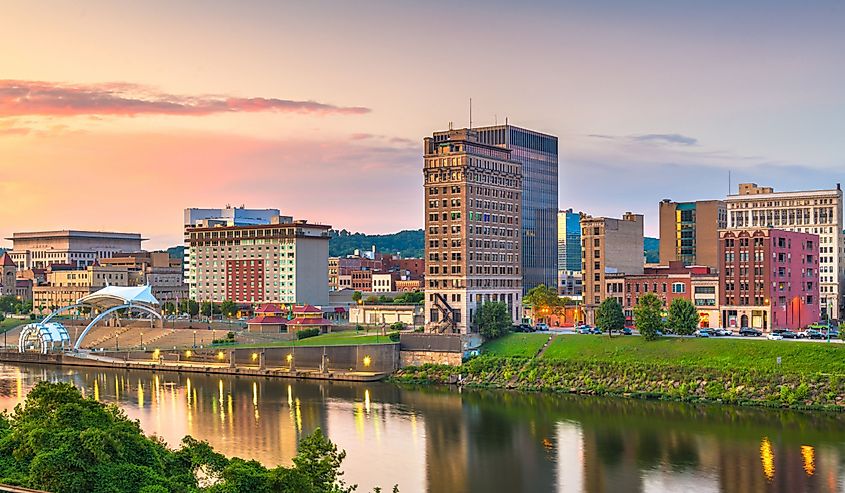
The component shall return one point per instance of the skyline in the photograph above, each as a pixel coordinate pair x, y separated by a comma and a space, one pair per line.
147, 110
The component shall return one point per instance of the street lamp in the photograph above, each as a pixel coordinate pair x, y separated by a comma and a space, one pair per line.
142, 339
195, 338
117, 342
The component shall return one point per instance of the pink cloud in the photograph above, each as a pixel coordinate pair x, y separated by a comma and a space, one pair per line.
19, 98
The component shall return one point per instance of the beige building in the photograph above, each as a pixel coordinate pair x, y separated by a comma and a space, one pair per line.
78, 249
689, 231
608, 247
816, 211
276, 263
159, 270
385, 282
472, 229
410, 315
65, 287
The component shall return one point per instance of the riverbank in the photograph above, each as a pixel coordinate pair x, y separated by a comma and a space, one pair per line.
755, 373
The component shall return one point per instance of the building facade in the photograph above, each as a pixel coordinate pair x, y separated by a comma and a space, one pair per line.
568, 241
538, 154
64, 287
8, 275
79, 249
277, 262
817, 212
697, 284
160, 271
339, 267
689, 231
769, 278
608, 247
473, 195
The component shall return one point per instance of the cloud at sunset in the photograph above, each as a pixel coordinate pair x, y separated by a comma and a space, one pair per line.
31, 98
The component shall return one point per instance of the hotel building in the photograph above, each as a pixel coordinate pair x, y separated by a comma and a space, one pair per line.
472, 229
817, 212
276, 262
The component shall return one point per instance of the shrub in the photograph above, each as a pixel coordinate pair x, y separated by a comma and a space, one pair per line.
306, 333
394, 336
398, 326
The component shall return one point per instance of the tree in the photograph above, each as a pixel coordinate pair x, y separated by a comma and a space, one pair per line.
57, 440
543, 301
168, 307
647, 316
609, 316
193, 308
371, 299
356, 297
207, 308
228, 308
493, 319
683, 318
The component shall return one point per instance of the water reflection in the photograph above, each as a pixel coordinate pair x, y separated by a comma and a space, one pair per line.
441, 440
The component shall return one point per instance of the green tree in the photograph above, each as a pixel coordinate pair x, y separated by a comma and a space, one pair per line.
371, 300
647, 315
207, 308
357, 296
59, 441
683, 318
543, 301
168, 307
493, 319
228, 308
8, 303
609, 316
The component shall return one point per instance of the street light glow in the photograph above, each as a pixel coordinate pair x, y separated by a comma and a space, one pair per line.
367, 361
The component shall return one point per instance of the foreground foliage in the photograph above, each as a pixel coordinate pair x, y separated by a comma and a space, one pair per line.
643, 380
59, 441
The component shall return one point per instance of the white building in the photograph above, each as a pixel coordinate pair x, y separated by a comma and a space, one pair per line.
277, 262
817, 211
39, 250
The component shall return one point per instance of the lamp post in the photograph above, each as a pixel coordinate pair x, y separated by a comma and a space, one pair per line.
195, 339
117, 342
142, 339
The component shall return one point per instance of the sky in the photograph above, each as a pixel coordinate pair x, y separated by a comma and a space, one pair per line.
117, 115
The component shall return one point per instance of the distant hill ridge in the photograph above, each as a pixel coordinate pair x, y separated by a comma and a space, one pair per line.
408, 243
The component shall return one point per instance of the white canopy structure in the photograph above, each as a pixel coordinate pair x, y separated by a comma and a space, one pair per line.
105, 302
43, 336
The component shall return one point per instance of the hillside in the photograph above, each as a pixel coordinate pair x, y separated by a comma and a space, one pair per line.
409, 243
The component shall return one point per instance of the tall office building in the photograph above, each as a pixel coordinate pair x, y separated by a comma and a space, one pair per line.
472, 229
816, 211
689, 231
537, 152
569, 241
609, 247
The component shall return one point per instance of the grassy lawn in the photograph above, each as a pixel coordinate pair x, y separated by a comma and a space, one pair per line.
331, 339
11, 323
709, 353
519, 344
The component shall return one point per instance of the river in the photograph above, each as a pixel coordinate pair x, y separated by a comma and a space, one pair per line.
433, 439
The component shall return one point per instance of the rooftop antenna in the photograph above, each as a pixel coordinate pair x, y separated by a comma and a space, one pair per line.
470, 113
506, 121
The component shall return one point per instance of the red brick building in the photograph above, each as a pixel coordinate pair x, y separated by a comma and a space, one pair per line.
670, 282
769, 278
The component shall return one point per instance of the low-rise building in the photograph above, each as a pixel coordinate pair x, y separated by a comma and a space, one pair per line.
163, 273
384, 282
39, 250
65, 287
410, 315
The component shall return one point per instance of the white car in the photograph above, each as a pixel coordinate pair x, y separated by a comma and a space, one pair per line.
774, 337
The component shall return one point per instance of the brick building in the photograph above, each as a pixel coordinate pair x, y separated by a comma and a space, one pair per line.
769, 278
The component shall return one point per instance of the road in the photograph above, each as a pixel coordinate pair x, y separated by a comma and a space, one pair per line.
572, 331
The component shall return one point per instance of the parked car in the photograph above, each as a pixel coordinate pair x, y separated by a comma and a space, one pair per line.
702, 333
723, 332
541, 326
833, 334
596, 330
785, 333
518, 328
626, 331
585, 329
814, 334
774, 337
748, 331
